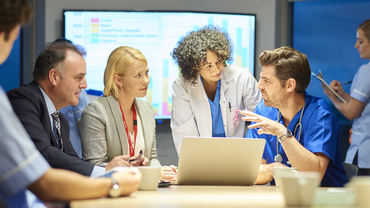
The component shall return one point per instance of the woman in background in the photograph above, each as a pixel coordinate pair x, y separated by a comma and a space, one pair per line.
357, 107
207, 97
119, 123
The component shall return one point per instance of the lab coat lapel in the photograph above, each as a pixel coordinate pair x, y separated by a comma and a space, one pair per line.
202, 112
201, 91
226, 78
223, 101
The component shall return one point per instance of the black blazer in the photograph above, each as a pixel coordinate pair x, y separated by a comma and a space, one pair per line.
29, 105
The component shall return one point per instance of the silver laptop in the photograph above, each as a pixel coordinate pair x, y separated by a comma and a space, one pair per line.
219, 161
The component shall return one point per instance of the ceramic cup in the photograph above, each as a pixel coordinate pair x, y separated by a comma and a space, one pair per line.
362, 187
150, 177
283, 171
299, 190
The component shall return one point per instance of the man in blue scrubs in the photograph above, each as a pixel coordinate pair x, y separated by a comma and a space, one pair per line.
300, 130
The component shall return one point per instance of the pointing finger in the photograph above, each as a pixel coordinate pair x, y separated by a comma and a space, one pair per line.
248, 113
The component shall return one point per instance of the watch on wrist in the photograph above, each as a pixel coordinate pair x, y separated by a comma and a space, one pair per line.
287, 134
115, 191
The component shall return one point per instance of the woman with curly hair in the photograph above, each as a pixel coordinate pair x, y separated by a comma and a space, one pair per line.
208, 95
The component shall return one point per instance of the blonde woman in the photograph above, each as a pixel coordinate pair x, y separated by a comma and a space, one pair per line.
119, 123
357, 107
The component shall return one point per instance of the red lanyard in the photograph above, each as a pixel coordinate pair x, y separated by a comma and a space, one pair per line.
132, 147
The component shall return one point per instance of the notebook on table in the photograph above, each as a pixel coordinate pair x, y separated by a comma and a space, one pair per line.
219, 161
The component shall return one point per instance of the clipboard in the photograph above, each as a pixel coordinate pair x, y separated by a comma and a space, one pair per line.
319, 77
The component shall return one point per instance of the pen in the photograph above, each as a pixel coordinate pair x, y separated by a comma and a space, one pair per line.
230, 107
138, 159
346, 83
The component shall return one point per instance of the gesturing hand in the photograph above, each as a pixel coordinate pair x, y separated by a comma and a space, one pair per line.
267, 126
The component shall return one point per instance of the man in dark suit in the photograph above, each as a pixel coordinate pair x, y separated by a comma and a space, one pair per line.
59, 77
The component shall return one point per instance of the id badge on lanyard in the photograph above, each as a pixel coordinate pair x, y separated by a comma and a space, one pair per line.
131, 146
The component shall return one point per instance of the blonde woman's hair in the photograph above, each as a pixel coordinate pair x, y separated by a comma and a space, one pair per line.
119, 61
365, 27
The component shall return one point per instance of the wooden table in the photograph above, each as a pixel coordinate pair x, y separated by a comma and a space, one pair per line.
195, 196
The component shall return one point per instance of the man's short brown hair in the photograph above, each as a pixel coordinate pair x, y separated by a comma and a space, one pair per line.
52, 57
288, 63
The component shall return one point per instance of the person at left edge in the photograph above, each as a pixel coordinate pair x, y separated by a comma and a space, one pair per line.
300, 130
209, 93
25, 176
59, 77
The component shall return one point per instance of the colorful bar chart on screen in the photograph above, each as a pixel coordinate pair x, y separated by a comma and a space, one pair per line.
155, 34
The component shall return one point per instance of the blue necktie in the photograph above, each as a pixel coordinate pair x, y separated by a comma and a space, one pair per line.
56, 119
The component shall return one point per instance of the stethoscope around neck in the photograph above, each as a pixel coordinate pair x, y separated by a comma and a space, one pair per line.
278, 157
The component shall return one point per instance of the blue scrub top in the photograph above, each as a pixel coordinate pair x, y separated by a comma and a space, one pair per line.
217, 123
319, 135
21, 163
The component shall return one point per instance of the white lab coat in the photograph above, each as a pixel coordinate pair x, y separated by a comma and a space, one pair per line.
191, 113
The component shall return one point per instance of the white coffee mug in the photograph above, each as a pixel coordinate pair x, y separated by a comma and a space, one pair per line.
362, 187
283, 171
150, 177
299, 190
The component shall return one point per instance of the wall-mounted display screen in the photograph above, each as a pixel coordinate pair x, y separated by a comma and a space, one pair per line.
155, 34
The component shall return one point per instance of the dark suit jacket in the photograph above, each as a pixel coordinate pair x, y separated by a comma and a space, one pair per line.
29, 104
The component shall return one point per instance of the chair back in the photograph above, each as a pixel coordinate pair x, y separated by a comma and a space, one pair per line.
351, 170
